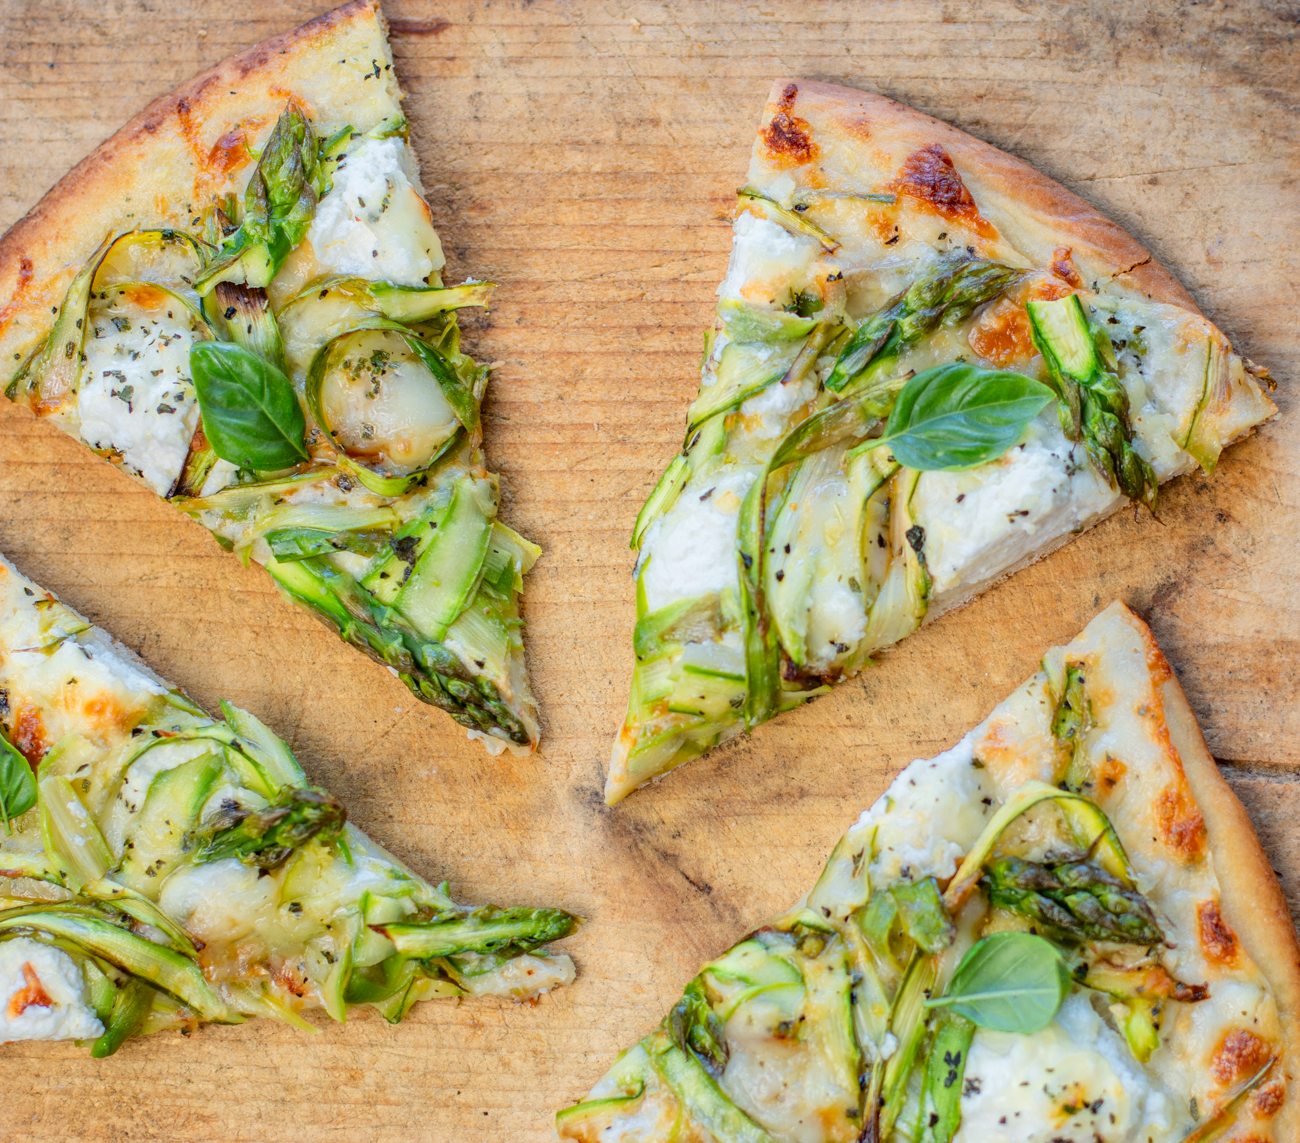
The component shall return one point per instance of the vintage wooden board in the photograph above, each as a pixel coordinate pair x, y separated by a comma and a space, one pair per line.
584, 156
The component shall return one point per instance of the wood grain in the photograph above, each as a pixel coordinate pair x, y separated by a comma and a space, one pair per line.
584, 155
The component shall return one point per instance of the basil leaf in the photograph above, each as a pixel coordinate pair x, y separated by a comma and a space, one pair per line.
1010, 982
251, 414
17, 783
959, 416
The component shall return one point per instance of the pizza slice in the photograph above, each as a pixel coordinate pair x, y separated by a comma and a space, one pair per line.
1062, 929
931, 366
161, 869
238, 300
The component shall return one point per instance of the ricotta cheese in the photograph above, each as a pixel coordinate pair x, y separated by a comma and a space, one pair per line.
42, 994
769, 411
981, 522
1069, 1083
691, 549
767, 261
136, 397
929, 817
373, 223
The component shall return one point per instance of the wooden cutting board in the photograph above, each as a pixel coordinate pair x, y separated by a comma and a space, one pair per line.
585, 157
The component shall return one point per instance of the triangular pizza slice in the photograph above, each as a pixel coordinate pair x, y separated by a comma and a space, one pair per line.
161, 869
1062, 930
931, 366
238, 300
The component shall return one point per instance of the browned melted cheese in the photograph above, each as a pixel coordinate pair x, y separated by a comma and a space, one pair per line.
1002, 335
930, 179
1182, 828
28, 733
1063, 267
1239, 1056
1218, 940
229, 152
786, 139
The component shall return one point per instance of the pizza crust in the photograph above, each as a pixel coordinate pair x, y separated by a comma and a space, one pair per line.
1250, 899
167, 163
1032, 212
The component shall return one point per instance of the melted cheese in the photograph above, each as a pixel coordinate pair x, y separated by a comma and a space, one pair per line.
1069, 1083
767, 261
928, 818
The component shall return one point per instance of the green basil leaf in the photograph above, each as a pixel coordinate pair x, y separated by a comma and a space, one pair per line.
1010, 982
251, 414
17, 783
959, 416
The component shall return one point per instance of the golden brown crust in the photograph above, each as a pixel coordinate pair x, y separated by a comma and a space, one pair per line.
1034, 213
1250, 897
162, 167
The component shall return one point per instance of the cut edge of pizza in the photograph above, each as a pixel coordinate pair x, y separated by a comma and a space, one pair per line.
238, 300
931, 366
162, 869
1063, 927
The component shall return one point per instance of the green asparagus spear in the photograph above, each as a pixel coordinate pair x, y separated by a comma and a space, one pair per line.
483, 930
1076, 899
945, 1070
279, 204
130, 1006
267, 838
425, 665
946, 295
695, 1027
1094, 406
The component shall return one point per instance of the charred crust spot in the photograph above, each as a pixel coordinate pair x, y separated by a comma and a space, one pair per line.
1217, 938
786, 138
1181, 826
1239, 1056
1063, 267
929, 174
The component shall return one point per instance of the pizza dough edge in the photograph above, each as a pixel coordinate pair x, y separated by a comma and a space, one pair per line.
1032, 200
155, 153
1250, 896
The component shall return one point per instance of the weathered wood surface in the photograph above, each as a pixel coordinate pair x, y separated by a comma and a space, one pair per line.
584, 156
